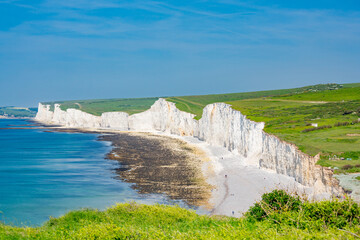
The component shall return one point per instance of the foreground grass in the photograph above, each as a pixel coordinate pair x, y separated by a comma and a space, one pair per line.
322, 220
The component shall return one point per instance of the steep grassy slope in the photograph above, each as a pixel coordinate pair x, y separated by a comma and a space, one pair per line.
277, 216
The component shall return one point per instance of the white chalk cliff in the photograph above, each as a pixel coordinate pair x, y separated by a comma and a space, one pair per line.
220, 125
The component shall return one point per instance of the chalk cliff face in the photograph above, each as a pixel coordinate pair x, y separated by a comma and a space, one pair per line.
44, 114
220, 125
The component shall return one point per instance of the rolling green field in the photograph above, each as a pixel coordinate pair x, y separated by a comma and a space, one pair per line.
277, 216
344, 94
99, 106
195, 104
18, 112
287, 113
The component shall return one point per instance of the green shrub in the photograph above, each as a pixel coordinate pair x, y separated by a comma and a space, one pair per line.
335, 213
277, 201
282, 209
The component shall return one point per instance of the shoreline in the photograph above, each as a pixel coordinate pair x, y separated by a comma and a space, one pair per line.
236, 185
157, 164
221, 126
2, 117
145, 158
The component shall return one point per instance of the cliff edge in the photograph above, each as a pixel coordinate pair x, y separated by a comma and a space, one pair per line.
220, 125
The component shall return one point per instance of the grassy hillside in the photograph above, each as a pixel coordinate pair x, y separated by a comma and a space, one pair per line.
195, 104
277, 216
290, 117
291, 120
99, 106
344, 94
18, 112
287, 113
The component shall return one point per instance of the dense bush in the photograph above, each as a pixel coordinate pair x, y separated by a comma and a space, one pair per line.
276, 201
282, 208
335, 213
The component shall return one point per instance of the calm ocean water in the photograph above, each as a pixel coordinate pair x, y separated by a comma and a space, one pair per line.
46, 174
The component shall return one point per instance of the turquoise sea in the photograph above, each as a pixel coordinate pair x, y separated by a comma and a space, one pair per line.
45, 174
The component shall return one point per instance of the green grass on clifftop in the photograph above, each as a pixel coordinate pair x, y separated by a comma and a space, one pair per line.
287, 113
99, 106
195, 104
277, 216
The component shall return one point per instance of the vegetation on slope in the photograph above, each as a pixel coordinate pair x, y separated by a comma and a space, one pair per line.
195, 104
338, 126
192, 104
17, 112
287, 113
99, 106
344, 94
278, 215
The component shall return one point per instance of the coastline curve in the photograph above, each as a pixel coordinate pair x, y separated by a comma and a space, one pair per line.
220, 126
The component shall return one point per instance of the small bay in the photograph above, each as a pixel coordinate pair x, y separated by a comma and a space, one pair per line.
44, 173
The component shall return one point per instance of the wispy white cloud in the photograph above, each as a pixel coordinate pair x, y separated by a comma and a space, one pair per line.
192, 28
195, 41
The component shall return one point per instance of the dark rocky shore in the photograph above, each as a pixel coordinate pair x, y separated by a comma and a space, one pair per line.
156, 164
160, 164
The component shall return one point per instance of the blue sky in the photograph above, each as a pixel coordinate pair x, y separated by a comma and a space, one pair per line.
84, 49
